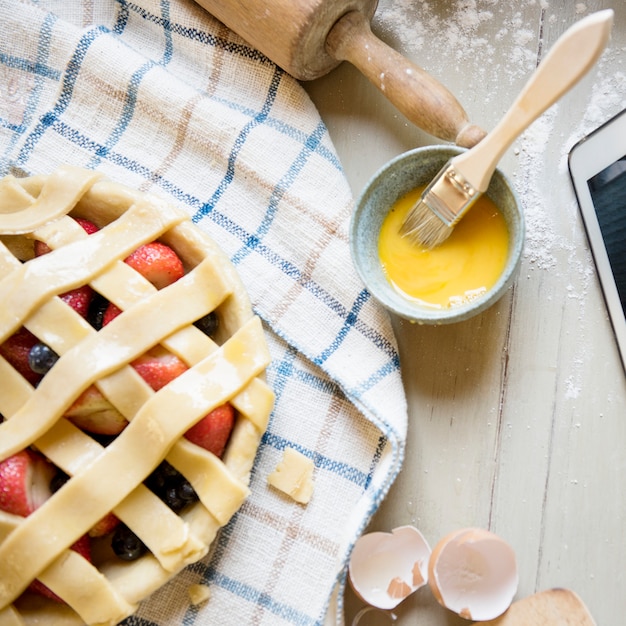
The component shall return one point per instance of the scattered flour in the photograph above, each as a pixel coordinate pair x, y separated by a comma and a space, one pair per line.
444, 33
541, 238
504, 46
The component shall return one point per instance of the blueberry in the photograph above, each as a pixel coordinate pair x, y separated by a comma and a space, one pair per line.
186, 492
179, 494
158, 480
126, 545
103, 440
208, 324
58, 480
41, 358
171, 487
97, 307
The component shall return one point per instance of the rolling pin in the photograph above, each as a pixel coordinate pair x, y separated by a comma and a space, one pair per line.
309, 38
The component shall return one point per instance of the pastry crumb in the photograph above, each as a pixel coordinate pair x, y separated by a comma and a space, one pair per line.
199, 594
294, 476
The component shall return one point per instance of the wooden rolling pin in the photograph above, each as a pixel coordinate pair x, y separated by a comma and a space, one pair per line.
309, 38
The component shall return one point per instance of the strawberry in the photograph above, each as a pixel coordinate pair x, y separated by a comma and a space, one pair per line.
88, 227
110, 313
25, 482
105, 526
157, 263
213, 430
159, 367
16, 349
83, 547
79, 299
92, 412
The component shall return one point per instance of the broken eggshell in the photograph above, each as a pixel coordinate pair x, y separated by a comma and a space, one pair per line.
385, 568
473, 572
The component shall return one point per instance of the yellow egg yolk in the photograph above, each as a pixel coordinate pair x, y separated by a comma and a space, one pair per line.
464, 267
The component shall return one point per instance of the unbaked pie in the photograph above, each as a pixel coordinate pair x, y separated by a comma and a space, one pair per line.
112, 446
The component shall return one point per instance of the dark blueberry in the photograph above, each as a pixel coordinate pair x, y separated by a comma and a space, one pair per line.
96, 311
58, 480
179, 494
41, 358
208, 324
186, 492
103, 440
171, 487
126, 545
159, 479
172, 499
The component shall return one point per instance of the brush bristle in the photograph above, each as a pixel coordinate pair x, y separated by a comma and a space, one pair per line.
424, 227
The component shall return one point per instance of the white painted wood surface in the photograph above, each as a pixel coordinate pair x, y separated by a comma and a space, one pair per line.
517, 417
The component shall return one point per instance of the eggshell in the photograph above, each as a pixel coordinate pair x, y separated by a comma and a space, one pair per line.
385, 568
473, 572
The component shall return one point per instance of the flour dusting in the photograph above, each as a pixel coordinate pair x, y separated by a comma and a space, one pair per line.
442, 34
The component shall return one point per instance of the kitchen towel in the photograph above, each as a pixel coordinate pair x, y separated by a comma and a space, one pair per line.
160, 96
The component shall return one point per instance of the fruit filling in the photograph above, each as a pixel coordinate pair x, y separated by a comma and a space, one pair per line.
28, 479
132, 396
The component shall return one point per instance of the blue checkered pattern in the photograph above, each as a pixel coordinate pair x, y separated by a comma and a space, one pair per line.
160, 96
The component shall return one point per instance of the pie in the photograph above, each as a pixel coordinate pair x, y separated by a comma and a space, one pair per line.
108, 475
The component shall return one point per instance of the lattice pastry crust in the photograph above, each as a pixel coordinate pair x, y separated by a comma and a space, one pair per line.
228, 367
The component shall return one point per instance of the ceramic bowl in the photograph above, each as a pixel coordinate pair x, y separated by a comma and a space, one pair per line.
402, 174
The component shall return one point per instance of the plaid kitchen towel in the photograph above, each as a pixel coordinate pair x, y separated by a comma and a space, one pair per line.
158, 95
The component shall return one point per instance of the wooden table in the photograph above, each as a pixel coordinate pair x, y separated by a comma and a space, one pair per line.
517, 417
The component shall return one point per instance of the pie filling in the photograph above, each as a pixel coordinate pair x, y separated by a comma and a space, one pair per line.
137, 401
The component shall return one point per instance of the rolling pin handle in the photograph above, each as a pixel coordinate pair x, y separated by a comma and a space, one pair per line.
416, 94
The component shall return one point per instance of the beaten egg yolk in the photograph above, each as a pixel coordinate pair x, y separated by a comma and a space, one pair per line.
462, 268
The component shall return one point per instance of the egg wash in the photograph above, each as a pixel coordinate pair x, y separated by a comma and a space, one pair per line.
464, 267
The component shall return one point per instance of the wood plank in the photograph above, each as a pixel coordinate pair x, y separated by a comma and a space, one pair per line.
517, 417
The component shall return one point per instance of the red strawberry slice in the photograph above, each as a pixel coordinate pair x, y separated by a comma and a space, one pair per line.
105, 526
159, 367
157, 263
24, 486
79, 299
83, 547
88, 227
110, 313
15, 350
25, 482
213, 431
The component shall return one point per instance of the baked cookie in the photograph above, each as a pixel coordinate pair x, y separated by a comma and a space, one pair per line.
113, 392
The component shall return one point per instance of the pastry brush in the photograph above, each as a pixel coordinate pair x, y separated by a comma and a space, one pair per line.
466, 176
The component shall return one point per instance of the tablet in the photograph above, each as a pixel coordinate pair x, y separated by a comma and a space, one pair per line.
597, 165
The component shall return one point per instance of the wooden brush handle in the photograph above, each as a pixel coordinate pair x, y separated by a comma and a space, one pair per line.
571, 57
414, 92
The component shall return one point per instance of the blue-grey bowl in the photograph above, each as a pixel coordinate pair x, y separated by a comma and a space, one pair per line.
400, 175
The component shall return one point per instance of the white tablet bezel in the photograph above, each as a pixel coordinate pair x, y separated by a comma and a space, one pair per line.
589, 157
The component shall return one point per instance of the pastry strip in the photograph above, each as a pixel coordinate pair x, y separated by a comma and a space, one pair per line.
77, 263
58, 196
124, 339
129, 459
69, 448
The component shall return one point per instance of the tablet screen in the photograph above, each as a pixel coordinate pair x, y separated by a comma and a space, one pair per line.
608, 192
